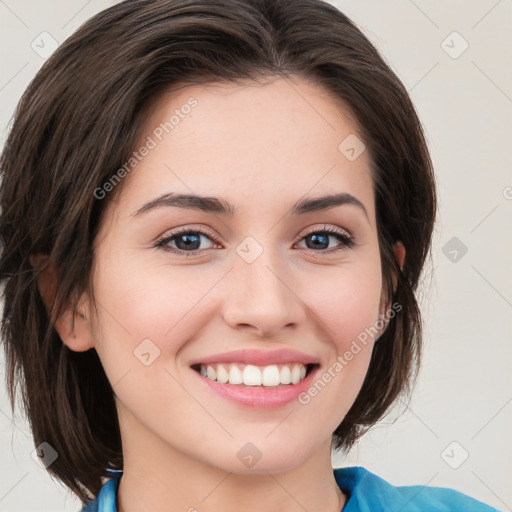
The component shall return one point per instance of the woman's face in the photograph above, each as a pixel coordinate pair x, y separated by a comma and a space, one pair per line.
261, 275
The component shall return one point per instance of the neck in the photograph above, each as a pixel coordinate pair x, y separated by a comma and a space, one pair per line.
159, 477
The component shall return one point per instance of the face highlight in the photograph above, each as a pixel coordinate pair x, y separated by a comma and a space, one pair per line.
218, 243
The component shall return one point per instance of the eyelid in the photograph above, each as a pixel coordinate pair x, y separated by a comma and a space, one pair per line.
185, 229
347, 240
207, 231
328, 228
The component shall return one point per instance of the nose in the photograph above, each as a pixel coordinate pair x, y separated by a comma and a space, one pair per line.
260, 297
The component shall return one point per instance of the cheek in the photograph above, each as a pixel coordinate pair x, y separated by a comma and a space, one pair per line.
144, 318
346, 301
140, 301
347, 306
147, 300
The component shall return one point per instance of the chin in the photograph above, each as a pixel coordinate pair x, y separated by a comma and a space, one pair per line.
260, 457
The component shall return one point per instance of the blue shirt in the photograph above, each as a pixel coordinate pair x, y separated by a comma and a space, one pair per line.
365, 492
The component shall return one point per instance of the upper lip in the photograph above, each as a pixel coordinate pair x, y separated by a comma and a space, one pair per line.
258, 357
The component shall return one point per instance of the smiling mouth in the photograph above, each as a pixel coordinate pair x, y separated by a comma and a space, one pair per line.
269, 376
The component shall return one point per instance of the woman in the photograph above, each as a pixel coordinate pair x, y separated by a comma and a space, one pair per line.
214, 219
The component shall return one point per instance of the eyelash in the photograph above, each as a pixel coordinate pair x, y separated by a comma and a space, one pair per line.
346, 241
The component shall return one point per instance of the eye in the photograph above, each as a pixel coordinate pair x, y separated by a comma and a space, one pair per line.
319, 239
187, 241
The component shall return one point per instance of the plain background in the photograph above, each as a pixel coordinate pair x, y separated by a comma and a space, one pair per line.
455, 432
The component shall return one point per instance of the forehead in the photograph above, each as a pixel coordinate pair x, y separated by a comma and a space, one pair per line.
252, 144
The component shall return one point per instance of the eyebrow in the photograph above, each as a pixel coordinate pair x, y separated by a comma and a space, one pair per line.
218, 205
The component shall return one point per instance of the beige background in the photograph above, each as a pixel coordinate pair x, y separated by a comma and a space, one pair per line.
462, 406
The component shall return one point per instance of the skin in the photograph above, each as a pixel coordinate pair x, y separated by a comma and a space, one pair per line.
261, 147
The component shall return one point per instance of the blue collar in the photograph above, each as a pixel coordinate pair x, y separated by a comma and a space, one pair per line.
364, 490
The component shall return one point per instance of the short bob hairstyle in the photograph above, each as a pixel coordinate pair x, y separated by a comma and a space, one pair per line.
79, 120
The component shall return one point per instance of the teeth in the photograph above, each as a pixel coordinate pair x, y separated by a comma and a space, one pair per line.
285, 375
235, 375
222, 374
270, 376
295, 374
251, 375
211, 373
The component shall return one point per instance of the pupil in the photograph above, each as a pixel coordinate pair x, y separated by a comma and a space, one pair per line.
192, 241
188, 242
315, 238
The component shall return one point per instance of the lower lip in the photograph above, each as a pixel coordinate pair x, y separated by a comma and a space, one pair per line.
258, 397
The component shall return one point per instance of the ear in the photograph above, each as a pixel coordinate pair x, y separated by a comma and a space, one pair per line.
74, 328
399, 251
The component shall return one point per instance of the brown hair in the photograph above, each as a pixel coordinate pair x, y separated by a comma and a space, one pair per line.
79, 120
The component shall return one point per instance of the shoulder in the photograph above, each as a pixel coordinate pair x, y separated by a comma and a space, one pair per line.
107, 497
367, 491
